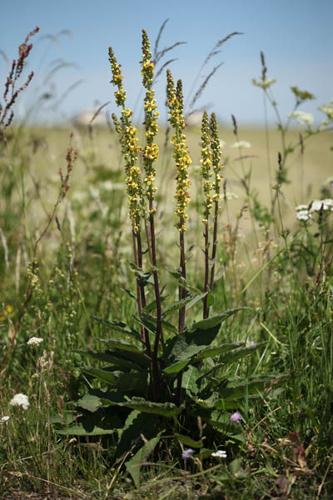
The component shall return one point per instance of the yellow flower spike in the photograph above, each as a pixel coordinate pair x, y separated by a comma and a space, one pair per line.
129, 145
181, 153
151, 151
216, 157
206, 165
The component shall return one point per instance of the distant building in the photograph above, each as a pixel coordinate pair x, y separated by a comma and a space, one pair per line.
84, 118
194, 119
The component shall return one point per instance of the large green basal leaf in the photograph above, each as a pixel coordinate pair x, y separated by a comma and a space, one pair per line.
130, 383
134, 465
137, 424
122, 359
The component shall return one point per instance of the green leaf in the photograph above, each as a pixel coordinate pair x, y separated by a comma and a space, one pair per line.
162, 409
89, 402
134, 465
211, 352
187, 441
239, 353
188, 302
204, 332
127, 383
183, 354
177, 367
118, 326
243, 390
104, 375
79, 430
136, 424
121, 346
122, 360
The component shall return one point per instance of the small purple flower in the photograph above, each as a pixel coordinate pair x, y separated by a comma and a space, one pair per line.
187, 453
236, 417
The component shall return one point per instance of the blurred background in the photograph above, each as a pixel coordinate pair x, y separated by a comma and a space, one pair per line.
72, 71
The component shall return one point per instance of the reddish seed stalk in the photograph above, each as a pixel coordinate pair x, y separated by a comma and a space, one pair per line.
214, 245
206, 279
182, 290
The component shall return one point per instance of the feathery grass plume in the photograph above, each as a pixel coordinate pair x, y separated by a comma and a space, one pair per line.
11, 91
150, 155
183, 160
206, 173
130, 148
217, 172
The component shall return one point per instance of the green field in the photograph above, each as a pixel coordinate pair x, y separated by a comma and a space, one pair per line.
165, 336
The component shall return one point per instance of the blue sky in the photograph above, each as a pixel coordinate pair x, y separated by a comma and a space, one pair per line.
295, 35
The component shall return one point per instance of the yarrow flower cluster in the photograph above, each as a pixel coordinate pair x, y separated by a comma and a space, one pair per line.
151, 151
34, 341
219, 454
20, 400
4, 419
304, 212
181, 152
302, 117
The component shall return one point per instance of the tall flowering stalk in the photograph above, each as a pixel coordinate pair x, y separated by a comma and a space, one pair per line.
150, 155
130, 150
183, 160
206, 173
217, 179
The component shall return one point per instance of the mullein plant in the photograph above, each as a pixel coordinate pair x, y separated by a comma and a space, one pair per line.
168, 385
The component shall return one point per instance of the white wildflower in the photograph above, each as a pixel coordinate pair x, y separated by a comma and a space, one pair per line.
263, 83
318, 205
328, 203
241, 144
219, 454
328, 110
34, 341
302, 117
20, 400
303, 215
4, 419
